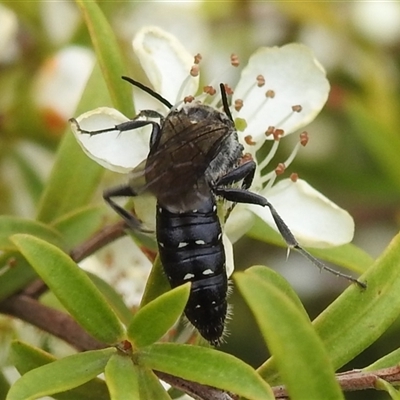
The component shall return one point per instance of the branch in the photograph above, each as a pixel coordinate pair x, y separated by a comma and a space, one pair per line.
49, 320
351, 381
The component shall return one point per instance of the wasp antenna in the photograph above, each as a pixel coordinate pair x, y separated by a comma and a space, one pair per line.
148, 90
225, 101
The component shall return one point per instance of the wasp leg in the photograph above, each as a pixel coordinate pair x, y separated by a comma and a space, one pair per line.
244, 196
124, 126
245, 171
124, 191
150, 114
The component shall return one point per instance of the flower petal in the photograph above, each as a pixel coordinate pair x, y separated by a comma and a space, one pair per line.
229, 260
293, 77
61, 81
166, 63
239, 222
117, 151
313, 219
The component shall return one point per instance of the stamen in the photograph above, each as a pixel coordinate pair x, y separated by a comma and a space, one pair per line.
209, 90
270, 177
249, 140
246, 157
184, 84
238, 104
297, 108
280, 123
304, 138
260, 80
278, 133
292, 156
228, 89
280, 169
294, 177
194, 71
270, 131
270, 93
188, 99
269, 157
235, 60
197, 58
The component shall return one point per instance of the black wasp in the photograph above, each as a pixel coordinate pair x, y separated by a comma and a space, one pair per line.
195, 158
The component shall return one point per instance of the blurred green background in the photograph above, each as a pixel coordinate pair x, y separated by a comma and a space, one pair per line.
353, 156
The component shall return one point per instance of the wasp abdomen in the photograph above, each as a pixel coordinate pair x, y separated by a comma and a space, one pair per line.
191, 250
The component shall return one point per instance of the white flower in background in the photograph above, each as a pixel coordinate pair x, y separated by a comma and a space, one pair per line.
279, 92
60, 19
378, 21
124, 266
60, 82
8, 35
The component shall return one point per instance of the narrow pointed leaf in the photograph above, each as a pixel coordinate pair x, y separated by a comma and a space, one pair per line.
12, 225
16, 273
156, 285
4, 386
154, 320
278, 281
114, 299
26, 358
206, 366
381, 384
122, 378
358, 317
72, 287
109, 55
302, 361
60, 375
393, 358
80, 224
150, 387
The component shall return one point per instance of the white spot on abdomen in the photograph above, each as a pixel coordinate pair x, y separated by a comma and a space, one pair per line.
208, 272
188, 276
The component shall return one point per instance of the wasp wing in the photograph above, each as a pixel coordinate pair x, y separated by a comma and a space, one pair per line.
190, 139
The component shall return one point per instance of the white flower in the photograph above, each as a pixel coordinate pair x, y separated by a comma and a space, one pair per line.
279, 92
60, 82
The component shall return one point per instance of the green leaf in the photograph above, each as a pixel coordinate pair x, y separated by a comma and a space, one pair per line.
108, 54
150, 387
4, 386
15, 273
278, 281
74, 177
60, 375
381, 384
153, 320
206, 366
387, 361
26, 357
122, 378
80, 224
385, 147
11, 225
113, 298
156, 285
357, 318
72, 287
299, 353
32, 180
348, 255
